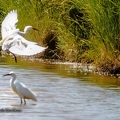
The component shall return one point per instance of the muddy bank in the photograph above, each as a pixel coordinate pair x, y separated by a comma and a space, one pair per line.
108, 69
101, 70
82, 67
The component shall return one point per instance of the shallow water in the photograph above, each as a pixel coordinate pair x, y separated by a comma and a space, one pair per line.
63, 93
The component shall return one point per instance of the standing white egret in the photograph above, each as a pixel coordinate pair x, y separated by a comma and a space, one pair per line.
12, 39
20, 89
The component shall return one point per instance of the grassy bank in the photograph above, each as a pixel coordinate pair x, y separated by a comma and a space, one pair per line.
75, 30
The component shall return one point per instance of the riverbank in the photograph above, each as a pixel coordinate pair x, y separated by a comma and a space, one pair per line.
92, 68
79, 67
107, 69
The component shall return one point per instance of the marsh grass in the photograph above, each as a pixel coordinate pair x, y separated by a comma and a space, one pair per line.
86, 30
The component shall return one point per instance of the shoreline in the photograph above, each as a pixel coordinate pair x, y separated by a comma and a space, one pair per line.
82, 67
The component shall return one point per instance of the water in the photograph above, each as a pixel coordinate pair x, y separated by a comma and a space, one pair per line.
62, 93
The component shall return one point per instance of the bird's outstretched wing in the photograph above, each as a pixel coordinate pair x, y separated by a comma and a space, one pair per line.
20, 46
9, 23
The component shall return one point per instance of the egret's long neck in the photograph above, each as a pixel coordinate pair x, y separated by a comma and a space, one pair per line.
12, 79
12, 83
26, 30
23, 33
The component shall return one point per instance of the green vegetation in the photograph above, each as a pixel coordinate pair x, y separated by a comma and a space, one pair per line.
75, 30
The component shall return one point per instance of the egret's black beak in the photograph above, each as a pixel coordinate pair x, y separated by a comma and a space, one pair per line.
6, 75
35, 29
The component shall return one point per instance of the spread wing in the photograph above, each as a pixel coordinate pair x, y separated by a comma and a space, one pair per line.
20, 46
9, 23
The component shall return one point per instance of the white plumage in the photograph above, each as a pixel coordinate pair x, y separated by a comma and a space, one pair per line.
20, 89
12, 39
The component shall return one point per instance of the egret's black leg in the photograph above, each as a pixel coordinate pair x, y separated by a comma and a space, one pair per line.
24, 101
21, 100
14, 57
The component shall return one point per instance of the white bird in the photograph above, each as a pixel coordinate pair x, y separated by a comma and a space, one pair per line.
19, 88
12, 39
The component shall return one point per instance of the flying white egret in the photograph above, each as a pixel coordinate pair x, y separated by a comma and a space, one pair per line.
20, 89
12, 39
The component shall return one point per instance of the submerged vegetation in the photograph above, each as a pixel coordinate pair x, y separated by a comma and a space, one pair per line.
74, 30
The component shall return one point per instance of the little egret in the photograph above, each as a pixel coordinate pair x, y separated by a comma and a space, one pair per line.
12, 39
20, 89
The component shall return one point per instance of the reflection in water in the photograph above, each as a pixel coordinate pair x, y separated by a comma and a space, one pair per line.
62, 93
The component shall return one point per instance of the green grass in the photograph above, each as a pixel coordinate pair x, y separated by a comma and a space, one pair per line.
85, 30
